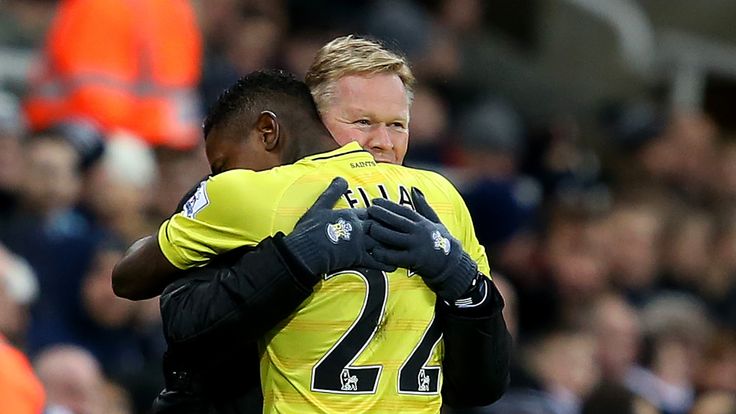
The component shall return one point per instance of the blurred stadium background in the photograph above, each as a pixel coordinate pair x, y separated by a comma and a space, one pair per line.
594, 142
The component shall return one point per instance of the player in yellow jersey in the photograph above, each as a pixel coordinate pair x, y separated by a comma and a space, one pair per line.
365, 341
387, 148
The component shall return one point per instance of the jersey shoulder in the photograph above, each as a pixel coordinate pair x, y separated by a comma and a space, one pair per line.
431, 183
247, 186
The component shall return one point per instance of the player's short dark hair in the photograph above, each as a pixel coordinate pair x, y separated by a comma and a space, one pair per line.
274, 90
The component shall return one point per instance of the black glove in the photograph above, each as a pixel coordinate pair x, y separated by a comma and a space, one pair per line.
418, 241
325, 240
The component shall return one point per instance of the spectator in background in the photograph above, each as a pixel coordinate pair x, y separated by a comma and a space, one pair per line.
430, 124
715, 402
177, 170
687, 245
693, 136
723, 181
636, 130
53, 181
110, 327
12, 131
70, 247
72, 379
718, 368
410, 27
577, 272
561, 371
718, 286
120, 194
128, 349
87, 139
300, 49
243, 36
492, 144
676, 330
116, 400
636, 243
462, 16
618, 330
675, 149
73, 250
24, 23
18, 289
616, 399
402, 22
503, 203
50, 234
564, 363
492, 139
141, 78
20, 391
510, 310
254, 43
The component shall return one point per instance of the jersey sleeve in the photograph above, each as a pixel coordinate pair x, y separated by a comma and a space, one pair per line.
464, 230
468, 239
225, 212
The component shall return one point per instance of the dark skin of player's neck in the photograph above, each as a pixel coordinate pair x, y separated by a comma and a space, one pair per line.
270, 142
144, 271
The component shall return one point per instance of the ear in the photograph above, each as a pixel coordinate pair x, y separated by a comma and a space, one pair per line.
269, 131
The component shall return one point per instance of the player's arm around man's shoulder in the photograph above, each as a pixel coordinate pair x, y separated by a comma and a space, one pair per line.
204, 225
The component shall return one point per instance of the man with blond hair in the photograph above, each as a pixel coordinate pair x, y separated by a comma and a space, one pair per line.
363, 93
366, 99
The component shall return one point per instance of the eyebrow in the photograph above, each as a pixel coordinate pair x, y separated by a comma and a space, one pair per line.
359, 112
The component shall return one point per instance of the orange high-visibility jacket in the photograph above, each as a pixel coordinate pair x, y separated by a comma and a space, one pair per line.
20, 390
128, 64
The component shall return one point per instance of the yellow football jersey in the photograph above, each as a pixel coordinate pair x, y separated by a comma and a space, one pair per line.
364, 341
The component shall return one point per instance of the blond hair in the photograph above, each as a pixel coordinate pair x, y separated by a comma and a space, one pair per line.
351, 55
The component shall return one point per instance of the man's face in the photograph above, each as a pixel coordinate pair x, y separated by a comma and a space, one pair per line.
372, 110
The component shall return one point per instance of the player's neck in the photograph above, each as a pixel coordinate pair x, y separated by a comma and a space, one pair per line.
316, 145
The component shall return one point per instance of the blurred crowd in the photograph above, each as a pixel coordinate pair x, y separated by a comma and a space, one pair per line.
612, 236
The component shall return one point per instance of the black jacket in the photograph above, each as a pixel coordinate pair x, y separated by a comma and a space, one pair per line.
213, 317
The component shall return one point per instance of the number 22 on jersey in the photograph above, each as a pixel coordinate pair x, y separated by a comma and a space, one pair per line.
336, 373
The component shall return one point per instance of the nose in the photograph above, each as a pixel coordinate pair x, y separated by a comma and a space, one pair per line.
381, 139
